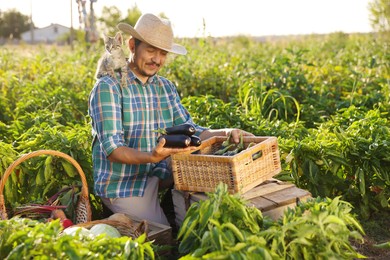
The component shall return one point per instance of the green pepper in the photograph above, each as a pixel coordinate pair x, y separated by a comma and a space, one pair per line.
223, 149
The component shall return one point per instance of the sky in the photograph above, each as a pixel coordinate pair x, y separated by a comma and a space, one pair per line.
197, 18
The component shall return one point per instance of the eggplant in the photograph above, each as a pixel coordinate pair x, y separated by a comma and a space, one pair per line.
183, 129
195, 141
176, 141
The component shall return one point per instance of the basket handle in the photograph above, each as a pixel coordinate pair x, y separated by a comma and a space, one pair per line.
83, 204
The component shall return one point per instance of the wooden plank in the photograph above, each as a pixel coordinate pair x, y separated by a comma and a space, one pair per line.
271, 198
197, 196
277, 213
260, 190
262, 203
287, 196
267, 188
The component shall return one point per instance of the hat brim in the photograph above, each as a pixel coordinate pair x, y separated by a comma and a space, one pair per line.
176, 48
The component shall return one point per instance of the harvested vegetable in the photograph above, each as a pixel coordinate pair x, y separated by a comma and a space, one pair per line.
78, 231
223, 150
176, 141
184, 129
226, 147
105, 229
195, 141
59, 214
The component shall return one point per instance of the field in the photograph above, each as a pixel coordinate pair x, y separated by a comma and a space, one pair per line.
326, 98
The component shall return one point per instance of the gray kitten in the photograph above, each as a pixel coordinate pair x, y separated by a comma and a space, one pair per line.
113, 59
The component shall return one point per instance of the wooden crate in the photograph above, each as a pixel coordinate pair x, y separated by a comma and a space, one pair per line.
271, 197
161, 234
274, 197
202, 171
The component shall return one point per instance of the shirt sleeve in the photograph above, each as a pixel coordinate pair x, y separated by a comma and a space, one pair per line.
162, 170
106, 114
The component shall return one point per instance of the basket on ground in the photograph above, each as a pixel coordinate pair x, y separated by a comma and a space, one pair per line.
202, 171
83, 211
155, 232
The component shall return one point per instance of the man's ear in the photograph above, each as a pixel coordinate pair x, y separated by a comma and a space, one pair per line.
132, 45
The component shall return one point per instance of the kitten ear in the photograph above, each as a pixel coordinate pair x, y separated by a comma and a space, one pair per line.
119, 38
108, 43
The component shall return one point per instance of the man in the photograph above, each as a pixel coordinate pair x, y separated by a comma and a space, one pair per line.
129, 165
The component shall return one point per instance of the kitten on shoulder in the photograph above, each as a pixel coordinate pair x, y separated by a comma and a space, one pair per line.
113, 59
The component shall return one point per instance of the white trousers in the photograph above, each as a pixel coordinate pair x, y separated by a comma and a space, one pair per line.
145, 208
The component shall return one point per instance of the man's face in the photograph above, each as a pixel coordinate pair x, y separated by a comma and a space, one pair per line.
148, 60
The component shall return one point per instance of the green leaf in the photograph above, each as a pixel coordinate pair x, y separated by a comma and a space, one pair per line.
69, 168
48, 168
331, 219
362, 181
40, 177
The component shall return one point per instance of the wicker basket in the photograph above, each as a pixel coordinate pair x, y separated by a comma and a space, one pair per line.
201, 171
125, 229
156, 232
83, 212
83, 208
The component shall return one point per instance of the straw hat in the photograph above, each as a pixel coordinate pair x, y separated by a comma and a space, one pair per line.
155, 31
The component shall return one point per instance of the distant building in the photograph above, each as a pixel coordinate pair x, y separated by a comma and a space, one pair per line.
49, 34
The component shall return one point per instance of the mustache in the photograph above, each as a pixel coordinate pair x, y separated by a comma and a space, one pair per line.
154, 63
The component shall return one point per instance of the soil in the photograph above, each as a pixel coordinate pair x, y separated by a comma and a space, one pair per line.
377, 230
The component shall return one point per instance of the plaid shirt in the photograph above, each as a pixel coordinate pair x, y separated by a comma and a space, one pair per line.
129, 116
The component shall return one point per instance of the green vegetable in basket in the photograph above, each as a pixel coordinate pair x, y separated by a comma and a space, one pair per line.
250, 145
227, 141
239, 147
257, 155
223, 150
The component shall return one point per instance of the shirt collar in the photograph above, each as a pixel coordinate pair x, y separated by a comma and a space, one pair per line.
152, 79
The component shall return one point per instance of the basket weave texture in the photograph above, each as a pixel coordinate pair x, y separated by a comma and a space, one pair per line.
125, 229
201, 171
83, 208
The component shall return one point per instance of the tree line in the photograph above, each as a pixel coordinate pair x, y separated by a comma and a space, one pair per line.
13, 23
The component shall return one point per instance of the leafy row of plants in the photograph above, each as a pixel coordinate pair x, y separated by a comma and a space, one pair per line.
22, 238
222, 226
327, 101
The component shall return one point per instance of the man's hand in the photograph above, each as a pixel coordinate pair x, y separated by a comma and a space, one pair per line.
160, 152
236, 133
128, 155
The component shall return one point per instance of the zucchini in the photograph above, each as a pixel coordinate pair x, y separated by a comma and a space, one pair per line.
183, 129
176, 141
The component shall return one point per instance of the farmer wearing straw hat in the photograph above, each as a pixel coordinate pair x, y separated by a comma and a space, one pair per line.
129, 166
